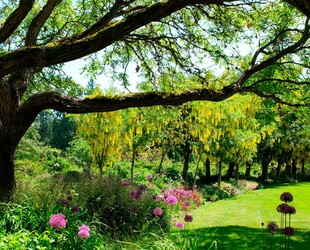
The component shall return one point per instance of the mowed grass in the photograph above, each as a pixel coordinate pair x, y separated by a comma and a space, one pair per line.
237, 223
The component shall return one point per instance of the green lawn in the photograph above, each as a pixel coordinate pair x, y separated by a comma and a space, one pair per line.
236, 223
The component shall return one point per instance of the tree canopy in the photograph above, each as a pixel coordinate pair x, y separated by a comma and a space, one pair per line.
227, 47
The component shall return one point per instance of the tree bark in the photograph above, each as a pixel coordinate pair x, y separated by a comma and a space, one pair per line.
266, 159
208, 171
248, 166
186, 154
294, 166
230, 171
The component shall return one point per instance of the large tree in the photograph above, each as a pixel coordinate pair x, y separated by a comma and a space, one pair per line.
161, 37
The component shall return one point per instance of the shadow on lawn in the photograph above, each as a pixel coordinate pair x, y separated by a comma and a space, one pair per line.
237, 237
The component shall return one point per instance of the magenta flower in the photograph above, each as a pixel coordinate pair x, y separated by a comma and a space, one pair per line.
125, 183
179, 225
149, 176
141, 188
58, 221
75, 209
69, 197
158, 211
83, 234
188, 218
171, 200
286, 197
288, 231
132, 193
159, 198
272, 227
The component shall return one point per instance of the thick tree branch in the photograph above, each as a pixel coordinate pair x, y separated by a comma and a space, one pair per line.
38, 22
15, 19
301, 5
64, 51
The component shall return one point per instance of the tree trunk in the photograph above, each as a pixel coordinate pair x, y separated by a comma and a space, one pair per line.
266, 159
197, 166
237, 172
230, 171
219, 174
133, 157
248, 166
7, 177
280, 164
303, 172
294, 167
187, 152
208, 171
162, 159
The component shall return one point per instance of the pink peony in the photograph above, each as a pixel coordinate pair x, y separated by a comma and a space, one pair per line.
179, 225
171, 200
83, 233
158, 211
58, 221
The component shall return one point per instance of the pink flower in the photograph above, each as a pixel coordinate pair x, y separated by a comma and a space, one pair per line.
158, 211
58, 221
179, 225
171, 200
132, 193
149, 176
159, 198
188, 218
125, 183
83, 233
84, 227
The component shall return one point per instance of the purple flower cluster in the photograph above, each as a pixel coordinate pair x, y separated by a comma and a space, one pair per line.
137, 194
84, 231
58, 221
288, 231
286, 197
171, 200
182, 194
158, 211
272, 227
188, 218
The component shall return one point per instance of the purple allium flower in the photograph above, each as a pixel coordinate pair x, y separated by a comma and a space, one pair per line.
125, 183
286, 197
138, 197
171, 200
132, 193
69, 197
64, 202
272, 227
75, 209
188, 218
179, 225
58, 221
83, 234
84, 227
141, 188
149, 177
158, 211
288, 231
289, 210
281, 207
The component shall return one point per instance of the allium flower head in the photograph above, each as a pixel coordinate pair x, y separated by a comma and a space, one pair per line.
83, 234
289, 210
158, 211
272, 227
171, 200
179, 225
188, 218
84, 227
149, 176
58, 221
125, 183
141, 188
288, 231
132, 193
75, 209
159, 198
69, 197
64, 202
281, 207
286, 197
